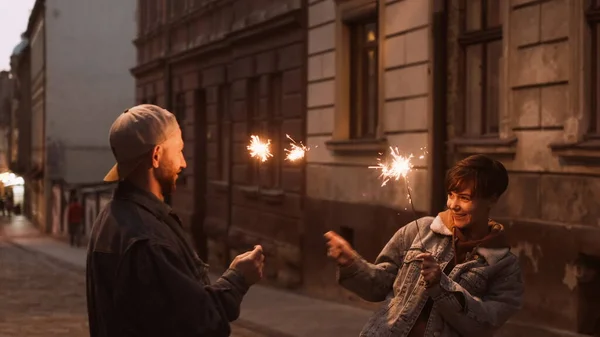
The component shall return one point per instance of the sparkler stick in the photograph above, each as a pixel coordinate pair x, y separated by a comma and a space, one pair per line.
296, 151
261, 151
396, 168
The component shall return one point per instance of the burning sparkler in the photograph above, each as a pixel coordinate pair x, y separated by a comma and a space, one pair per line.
262, 152
259, 149
296, 151
398, 166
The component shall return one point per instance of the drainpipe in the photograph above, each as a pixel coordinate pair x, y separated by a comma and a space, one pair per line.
167, 76
47, 182
438, 122
167, 53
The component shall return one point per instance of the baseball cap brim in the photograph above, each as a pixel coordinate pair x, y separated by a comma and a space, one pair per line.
113, 174
121, 171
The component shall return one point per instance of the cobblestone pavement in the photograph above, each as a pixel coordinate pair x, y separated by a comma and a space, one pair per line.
41, 296
38, 296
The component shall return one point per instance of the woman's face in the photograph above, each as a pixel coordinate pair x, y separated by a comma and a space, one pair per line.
466, 209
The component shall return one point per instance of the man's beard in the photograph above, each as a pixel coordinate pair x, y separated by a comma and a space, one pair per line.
167, 182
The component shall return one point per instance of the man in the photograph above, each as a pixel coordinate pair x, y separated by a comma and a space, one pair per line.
452, 275
75, 217
143, 276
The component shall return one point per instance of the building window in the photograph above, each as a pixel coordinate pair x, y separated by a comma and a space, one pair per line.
179, 112
142, 16
223, 132
265, 117
481, 42
176, 8
153, 14
275, 120
357, 100
179, 109
254, 127
593, 19
363, 77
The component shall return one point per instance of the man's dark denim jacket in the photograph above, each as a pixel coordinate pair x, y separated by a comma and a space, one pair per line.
145, 279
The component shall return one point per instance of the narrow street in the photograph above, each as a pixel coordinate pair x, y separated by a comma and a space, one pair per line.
43, 296
40, 296
42, 293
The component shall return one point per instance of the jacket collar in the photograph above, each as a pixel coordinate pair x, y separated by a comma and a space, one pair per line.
491, 255
127, 191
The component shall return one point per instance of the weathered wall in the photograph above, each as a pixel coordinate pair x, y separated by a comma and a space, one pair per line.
550, 205
21, 116
343, 194
38, 96
57, 206
256, 87
233, 68
5, 118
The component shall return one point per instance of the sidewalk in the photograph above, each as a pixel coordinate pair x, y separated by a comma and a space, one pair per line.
283, 314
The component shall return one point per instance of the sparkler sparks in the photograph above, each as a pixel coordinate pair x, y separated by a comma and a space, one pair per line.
296, 151
397, 167
259, 149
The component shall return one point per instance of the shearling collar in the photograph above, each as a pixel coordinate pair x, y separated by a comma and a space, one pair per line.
491, 255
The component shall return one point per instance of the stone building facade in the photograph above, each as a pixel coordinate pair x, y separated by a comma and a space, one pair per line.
20, 140
369, 87
540, 57
514, 79
230, 69
37, 181
5, 118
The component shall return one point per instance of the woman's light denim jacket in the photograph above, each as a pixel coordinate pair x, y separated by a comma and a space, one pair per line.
489, 284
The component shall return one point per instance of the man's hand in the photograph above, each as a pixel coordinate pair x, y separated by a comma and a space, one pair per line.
430, 269
250, 265
339, 249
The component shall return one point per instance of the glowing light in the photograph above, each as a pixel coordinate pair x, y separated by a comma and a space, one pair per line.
296, 151
11, 179
259, 149
396, 167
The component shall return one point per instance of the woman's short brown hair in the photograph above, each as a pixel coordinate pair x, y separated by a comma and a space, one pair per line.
487, 177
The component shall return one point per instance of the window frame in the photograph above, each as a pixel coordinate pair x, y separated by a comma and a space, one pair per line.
179, 109
223, 131
341, 143
253, 126
275, 127
484, 36
592, 21
358, 71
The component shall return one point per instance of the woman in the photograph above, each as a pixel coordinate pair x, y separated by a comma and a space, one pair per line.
452, 275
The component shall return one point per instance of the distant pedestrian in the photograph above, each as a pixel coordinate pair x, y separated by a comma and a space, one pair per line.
17, 209
8, 204
2, 206
75, 220
144, 277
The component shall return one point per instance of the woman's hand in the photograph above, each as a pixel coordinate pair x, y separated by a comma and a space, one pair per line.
339, 249
430, 269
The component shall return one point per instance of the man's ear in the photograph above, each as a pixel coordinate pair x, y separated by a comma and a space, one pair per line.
156, 154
